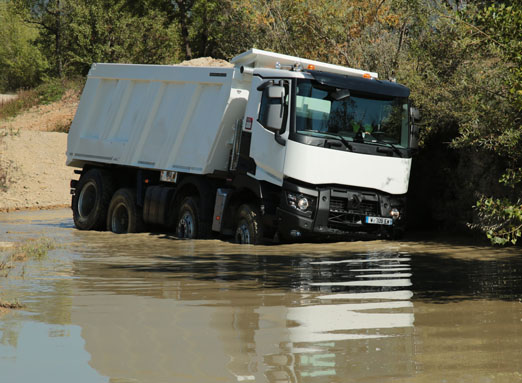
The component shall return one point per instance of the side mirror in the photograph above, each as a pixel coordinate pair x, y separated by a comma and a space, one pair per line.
275, 108
415, 114
277, 92
414, 129
414, 137
272, 111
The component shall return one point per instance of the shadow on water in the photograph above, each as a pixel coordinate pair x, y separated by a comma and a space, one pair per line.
439, 279
68, 224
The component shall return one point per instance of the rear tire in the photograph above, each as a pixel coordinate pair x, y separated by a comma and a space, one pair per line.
189, 219
249, 230
124, 215
91, 200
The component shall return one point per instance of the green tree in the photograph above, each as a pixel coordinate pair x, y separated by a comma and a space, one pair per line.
52, 17
21, 63
463, 76
108, 32
75, 34
501, 217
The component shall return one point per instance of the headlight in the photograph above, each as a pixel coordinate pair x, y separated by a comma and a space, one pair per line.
303, 204
300, 202
395, 213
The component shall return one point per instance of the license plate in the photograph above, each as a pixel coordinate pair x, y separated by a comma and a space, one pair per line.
379, 221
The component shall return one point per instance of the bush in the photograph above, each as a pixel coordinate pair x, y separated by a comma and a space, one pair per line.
22, 63
26, 99
50, 91
46, 93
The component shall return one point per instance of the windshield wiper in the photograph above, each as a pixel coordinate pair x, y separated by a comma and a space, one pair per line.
340, 138
395, 149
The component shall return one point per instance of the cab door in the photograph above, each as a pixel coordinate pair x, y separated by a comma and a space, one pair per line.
267, 118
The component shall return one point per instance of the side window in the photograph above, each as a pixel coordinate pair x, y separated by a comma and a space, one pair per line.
273, 110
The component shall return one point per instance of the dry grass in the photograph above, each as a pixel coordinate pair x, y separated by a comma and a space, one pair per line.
36, 249
25, 100
11, 305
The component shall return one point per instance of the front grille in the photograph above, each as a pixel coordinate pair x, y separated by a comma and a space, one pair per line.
365, 207
338, 204
348, 213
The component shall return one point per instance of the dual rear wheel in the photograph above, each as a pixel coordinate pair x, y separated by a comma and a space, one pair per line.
98, 206
124, 215
91, 200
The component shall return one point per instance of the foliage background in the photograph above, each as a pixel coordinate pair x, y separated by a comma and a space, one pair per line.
461, 59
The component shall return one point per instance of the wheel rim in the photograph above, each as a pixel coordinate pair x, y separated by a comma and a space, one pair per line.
87, 199
186, 225
120, 219
243, 234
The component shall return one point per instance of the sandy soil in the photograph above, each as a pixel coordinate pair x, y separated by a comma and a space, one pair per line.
33, 173
36, 173
206, 61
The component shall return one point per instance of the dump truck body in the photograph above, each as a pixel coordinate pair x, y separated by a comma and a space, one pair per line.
157, 117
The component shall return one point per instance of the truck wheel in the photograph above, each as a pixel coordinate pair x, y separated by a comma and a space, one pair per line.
248, 229
188, 226
91, 200
124, 214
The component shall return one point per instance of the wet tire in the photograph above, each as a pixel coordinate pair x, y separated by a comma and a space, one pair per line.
248, 229
189, 224
91, 199
124, 215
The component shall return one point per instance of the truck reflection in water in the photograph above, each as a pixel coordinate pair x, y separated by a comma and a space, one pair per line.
278, 318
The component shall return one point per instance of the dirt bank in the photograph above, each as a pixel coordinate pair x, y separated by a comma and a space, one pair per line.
35, 175
46, 118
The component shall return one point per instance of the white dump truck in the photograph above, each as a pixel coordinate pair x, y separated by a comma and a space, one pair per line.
274, 147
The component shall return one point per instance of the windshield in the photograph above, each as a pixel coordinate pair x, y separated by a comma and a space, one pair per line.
323, 110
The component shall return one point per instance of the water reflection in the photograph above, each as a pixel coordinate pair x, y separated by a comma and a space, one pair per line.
288, 317
147, 308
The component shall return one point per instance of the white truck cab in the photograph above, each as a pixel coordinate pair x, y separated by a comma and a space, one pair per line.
278, 146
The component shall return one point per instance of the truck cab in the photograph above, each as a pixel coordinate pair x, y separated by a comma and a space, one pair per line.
339, 145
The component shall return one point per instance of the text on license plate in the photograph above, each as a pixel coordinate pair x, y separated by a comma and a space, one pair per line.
379, 220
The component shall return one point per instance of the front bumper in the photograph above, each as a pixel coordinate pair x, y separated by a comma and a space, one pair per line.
339, 213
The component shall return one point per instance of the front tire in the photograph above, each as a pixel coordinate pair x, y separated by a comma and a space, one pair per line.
124, 215
91, 200
249, 229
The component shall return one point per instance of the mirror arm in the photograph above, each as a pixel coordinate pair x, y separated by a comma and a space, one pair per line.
264, 85
280, 140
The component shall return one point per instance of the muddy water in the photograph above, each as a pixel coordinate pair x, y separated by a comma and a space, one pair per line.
150, 308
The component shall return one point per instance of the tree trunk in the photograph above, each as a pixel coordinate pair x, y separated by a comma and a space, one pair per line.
58, 40
183, 20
